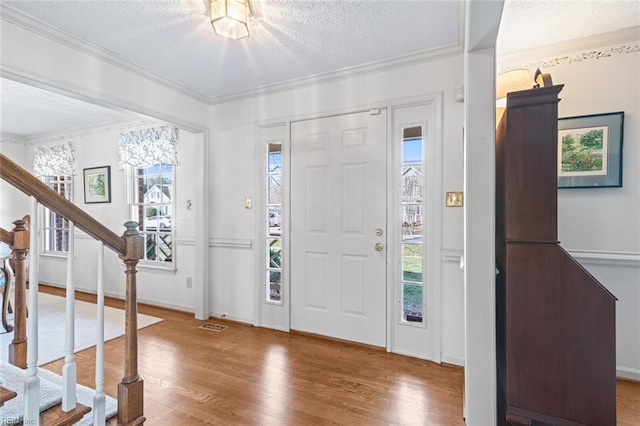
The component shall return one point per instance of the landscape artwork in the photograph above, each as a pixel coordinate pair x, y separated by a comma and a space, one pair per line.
590, 151
97, 182
583, 151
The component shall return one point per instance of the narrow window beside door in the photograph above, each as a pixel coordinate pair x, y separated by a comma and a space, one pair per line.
274, 223
412, 178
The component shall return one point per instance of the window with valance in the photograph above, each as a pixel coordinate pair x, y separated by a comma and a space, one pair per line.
147, 147
55, 165
150, 156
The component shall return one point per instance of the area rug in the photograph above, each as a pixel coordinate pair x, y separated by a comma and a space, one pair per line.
50, 395
51, 327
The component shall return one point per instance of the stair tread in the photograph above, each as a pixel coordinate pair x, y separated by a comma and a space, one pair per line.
54, 416
6, 395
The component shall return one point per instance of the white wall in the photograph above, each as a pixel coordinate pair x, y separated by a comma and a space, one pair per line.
591, 86
53, 60
606, 221
601, 226
164, 288
45, 57
233, 178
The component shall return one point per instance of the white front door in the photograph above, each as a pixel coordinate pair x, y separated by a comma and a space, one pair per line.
338, 216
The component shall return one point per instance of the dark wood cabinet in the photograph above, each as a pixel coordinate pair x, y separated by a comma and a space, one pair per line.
555, 322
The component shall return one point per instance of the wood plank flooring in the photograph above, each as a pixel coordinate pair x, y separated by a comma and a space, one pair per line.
253, 376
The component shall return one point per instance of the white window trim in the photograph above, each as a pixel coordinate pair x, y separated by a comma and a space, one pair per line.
46, 252
153, 265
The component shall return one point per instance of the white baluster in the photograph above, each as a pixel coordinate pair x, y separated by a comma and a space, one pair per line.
69, 369
99, 398
32, 383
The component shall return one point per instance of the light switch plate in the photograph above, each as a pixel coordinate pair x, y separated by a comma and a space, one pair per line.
248, 203
455, 199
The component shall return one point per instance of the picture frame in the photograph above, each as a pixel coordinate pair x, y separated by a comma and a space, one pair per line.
590, 151
97, 185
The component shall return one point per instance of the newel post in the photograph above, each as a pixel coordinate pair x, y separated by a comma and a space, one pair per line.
20, 248
130, 389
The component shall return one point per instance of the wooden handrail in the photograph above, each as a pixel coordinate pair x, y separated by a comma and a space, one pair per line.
6, 237
30, 185
130, 249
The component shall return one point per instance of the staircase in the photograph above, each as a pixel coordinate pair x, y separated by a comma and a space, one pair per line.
6, 395
51, 412
23, 242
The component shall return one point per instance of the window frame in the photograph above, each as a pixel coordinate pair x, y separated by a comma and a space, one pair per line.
66, 181
274, 241
420, 206
134, 206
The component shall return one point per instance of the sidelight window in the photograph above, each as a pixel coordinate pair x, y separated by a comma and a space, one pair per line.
273, 222
412, 209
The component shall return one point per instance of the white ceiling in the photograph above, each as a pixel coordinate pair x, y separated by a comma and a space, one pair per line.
289, 40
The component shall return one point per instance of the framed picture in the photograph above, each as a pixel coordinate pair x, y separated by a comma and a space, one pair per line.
590, 151
97, 185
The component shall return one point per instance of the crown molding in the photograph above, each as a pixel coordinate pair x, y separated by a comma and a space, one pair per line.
43, 29
343, 74
96, 128
444, 52
13, 139
79, 133
599, 46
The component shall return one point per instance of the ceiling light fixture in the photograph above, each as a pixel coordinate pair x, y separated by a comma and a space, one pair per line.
229, 18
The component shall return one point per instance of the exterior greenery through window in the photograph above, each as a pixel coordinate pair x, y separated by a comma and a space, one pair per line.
412, 178
152, 206
56, 228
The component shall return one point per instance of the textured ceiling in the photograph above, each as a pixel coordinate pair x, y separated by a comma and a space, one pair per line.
27, 111
289, 39
527, 24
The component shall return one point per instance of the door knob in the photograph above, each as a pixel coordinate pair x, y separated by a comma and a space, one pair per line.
379, 246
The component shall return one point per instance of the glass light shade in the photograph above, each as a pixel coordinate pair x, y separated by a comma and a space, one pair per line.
229, 18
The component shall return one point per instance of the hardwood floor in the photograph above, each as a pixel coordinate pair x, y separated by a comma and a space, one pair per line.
253, 376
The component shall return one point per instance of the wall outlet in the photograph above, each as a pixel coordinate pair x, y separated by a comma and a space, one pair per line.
189, 282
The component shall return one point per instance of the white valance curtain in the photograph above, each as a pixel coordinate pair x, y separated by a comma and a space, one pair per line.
54, 160
144, 148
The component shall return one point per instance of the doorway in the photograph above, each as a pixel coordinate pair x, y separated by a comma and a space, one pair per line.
338, 257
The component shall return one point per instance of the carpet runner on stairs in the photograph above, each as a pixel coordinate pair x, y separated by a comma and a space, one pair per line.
50, 395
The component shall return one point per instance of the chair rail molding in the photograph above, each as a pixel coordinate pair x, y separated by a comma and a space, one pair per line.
606, 258
230, 243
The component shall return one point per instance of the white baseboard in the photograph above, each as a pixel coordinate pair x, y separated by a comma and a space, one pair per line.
159, 304
449, 359
628, 373
273, 327
222, 315
173, 306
